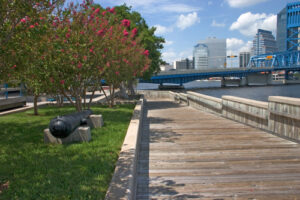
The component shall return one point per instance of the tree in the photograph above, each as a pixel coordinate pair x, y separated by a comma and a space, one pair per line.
24, 35
148, 39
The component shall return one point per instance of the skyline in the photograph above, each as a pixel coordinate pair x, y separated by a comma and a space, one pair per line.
184, 23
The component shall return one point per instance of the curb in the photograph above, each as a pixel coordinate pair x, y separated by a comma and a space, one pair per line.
123, 183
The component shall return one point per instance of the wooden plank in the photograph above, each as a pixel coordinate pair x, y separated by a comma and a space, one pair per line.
190, 154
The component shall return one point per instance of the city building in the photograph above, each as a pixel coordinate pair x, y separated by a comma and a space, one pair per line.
210, 53
264, 42
200, 56
183, 64
288, 28
293, 26
166, 67
244, 58
281, 30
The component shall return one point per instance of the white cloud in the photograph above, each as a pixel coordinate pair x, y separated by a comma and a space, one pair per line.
185, 21
168, 43
215, 24
248, 23
169, 56
209, 3
179, 8
243, 3
160, 30
235, 45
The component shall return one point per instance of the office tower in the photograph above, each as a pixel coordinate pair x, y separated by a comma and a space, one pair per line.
264, 42
183, 64
244, 58
210, 53
281, 30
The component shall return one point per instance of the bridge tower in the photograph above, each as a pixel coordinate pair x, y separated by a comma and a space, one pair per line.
293, 26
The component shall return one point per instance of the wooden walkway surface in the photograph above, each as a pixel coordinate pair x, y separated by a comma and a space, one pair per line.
189, 154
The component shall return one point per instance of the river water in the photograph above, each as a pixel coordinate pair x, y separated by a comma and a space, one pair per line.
213, 88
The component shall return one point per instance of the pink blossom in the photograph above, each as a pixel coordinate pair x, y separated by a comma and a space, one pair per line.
112, 10
125, 33
13, 67
31, 26
134, 32
117, 73
85, 58
108, 64
133, 43
108, 8
23, 20
41, 18
65, 41
68, 35
146, 52
62, 50
79, 65
96, 11
92, 50
82, 32
62, 82
126, 22
100, 32
103, 13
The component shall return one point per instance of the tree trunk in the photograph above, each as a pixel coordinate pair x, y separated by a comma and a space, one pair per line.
112, 96
106, 97
35, 106
130, 87
123, 92
92, 96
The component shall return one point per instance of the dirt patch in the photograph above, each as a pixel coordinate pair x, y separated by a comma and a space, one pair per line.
4, 186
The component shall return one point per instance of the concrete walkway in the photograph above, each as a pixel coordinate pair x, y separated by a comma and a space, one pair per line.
189, 154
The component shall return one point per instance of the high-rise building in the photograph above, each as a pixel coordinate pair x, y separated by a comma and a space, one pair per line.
244, 58
183, 64
293, 26
210, 53
288, 28
264, 42
281, 30
200, 56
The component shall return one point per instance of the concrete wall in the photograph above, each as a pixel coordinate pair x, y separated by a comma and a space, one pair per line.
155, 94
281, 115
247, 111
204, 102
285, 116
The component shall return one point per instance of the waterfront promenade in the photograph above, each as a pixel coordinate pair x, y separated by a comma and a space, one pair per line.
191, 154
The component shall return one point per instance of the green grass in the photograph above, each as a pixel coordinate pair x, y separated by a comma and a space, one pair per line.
77, 171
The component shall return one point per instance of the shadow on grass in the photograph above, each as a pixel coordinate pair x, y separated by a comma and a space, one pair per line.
77, 171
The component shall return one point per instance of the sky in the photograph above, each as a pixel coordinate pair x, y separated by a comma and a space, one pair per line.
184, 22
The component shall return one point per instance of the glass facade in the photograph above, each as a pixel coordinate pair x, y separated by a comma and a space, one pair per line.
200, 56
210, 53
281, 30
244, 58
264, 42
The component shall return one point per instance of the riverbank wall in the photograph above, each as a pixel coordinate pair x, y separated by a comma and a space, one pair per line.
279, 116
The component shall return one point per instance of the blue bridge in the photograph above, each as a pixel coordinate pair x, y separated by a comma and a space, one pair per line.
288, 62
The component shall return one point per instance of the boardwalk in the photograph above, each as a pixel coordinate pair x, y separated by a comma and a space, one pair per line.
190, 154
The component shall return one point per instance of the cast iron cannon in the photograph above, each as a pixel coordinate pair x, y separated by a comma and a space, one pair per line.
63, 126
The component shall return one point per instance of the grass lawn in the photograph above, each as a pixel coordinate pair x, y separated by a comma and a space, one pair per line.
78, 171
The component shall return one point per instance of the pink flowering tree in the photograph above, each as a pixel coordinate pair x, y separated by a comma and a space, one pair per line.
26, 48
